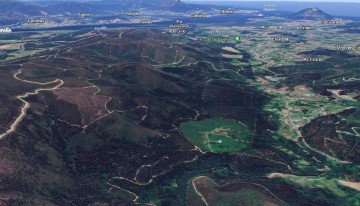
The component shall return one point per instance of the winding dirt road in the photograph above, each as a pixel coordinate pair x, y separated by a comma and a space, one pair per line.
26, 105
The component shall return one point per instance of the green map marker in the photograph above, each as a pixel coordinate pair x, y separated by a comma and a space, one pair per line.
237, 38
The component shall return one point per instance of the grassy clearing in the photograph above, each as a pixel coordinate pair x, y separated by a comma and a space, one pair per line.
218, 135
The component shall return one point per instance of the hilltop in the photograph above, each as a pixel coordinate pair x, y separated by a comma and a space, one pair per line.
312, 13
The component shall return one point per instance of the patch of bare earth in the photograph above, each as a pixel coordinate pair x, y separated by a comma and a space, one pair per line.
353, 185
91, 106
6, 46
231, 49
231, 56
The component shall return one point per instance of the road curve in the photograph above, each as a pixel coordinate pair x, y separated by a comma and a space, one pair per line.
26, 105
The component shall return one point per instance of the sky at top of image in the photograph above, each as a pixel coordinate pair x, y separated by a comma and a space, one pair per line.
338, 1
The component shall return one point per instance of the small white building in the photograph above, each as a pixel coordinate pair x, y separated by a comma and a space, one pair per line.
6, 30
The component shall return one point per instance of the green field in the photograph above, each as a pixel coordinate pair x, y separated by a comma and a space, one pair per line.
218, 135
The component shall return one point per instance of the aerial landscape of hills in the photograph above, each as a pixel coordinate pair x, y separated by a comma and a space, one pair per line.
203, 104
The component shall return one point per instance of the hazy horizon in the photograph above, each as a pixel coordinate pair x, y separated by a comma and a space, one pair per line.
304, 1
346, 8
300, 1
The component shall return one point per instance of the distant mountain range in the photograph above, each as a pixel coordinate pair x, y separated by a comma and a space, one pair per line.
169, 5
312, 13
20, 7
56, 7
12, 11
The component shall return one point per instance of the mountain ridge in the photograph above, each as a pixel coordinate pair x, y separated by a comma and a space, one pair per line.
311, 13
